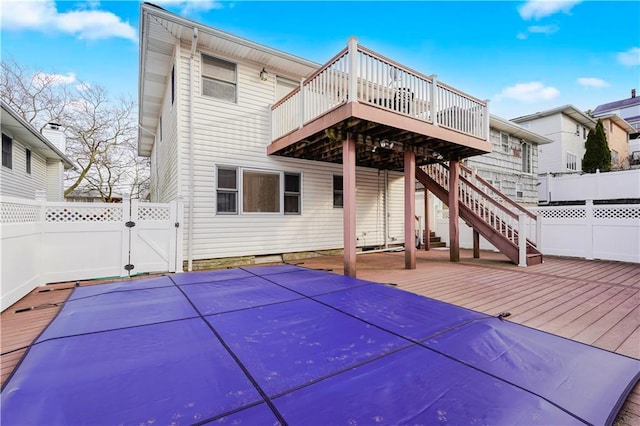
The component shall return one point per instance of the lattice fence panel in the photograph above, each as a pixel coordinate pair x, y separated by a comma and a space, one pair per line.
576, 213
84, 214
619, 212
154, 213
19, 213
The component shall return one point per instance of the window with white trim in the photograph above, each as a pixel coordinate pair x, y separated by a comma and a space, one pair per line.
572, 161
504, 142
219, 79
292, 193
338, 194
260, 191
227, 190
519, 191
527, 158
614, 156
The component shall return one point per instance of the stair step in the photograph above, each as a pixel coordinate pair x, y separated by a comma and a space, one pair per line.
534, 259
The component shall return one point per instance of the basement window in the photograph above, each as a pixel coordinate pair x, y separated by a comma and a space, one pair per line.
218, 78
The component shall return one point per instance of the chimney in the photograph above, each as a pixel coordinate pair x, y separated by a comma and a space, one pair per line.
633, 93
53, 132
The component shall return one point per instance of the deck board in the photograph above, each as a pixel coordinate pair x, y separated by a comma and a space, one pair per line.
596, 302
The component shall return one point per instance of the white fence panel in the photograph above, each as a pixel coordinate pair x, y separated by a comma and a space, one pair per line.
595, 186
44, 242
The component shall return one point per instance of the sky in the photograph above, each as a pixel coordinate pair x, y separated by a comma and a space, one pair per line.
525, 56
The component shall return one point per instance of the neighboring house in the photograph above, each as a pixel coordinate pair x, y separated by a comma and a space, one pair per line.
617, 131
90, 196
567, 127
512, 165
261, 174
30, 161
628, 109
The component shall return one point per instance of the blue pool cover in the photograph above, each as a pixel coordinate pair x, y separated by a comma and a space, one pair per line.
289, 345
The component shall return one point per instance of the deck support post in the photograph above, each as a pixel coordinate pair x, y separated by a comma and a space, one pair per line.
476, 244
409, 210
427, 230
454, 213
349, 204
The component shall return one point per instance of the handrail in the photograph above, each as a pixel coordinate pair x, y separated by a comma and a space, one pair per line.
394, 63
498, 192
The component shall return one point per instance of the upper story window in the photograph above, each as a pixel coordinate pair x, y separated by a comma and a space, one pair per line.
611, 126
504, 142
338, 200
572, 161
218, 78
27, 154
577, 129
7, 151
584, 133
527, 158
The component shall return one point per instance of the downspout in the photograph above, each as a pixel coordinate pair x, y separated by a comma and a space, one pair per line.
194, 43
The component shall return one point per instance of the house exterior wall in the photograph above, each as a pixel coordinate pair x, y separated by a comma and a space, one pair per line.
561, 129
15, 181
618, 141
55, 179
504, 168
237, 134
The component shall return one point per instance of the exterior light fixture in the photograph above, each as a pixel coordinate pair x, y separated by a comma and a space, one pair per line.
263, 74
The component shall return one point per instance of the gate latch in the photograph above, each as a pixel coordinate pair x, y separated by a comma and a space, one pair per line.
130, 224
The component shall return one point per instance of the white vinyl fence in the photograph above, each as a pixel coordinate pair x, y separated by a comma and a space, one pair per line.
595, 186
608, 232
43, 242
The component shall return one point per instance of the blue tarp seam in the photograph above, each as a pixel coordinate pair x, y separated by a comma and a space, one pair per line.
237, 360
419, 343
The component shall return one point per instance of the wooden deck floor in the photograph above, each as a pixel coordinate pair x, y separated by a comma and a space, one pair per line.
594, 302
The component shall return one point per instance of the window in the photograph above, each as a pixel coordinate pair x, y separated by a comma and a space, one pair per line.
614, 157
577, 129
7, 151
27, 153
160, 128
337, 191
504, 142
227, 190
291, 193
611, 126
584, 133
173, 84
527, 158
519, 191
260, 192
572, 161
218, 78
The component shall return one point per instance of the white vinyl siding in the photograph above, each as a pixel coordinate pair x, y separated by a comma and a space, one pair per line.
237, 135
16, 182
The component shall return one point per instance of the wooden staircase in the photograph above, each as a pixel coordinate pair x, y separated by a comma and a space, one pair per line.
434, 241
489, 212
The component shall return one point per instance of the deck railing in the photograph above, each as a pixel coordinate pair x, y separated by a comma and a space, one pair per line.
357, 74
509, 223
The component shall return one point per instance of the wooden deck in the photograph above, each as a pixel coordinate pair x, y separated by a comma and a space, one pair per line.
594, 302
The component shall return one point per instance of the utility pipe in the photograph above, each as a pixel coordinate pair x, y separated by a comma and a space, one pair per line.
194, 43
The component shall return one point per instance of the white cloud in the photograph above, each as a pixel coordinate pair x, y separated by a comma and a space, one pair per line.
529, 92
543, 29
537, 9
630, 58
592, 82
43, 16
42, 79
187, 7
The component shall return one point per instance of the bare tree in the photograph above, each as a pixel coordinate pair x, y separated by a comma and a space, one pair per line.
101, 132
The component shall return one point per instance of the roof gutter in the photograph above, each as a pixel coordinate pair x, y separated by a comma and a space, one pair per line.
194, 43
